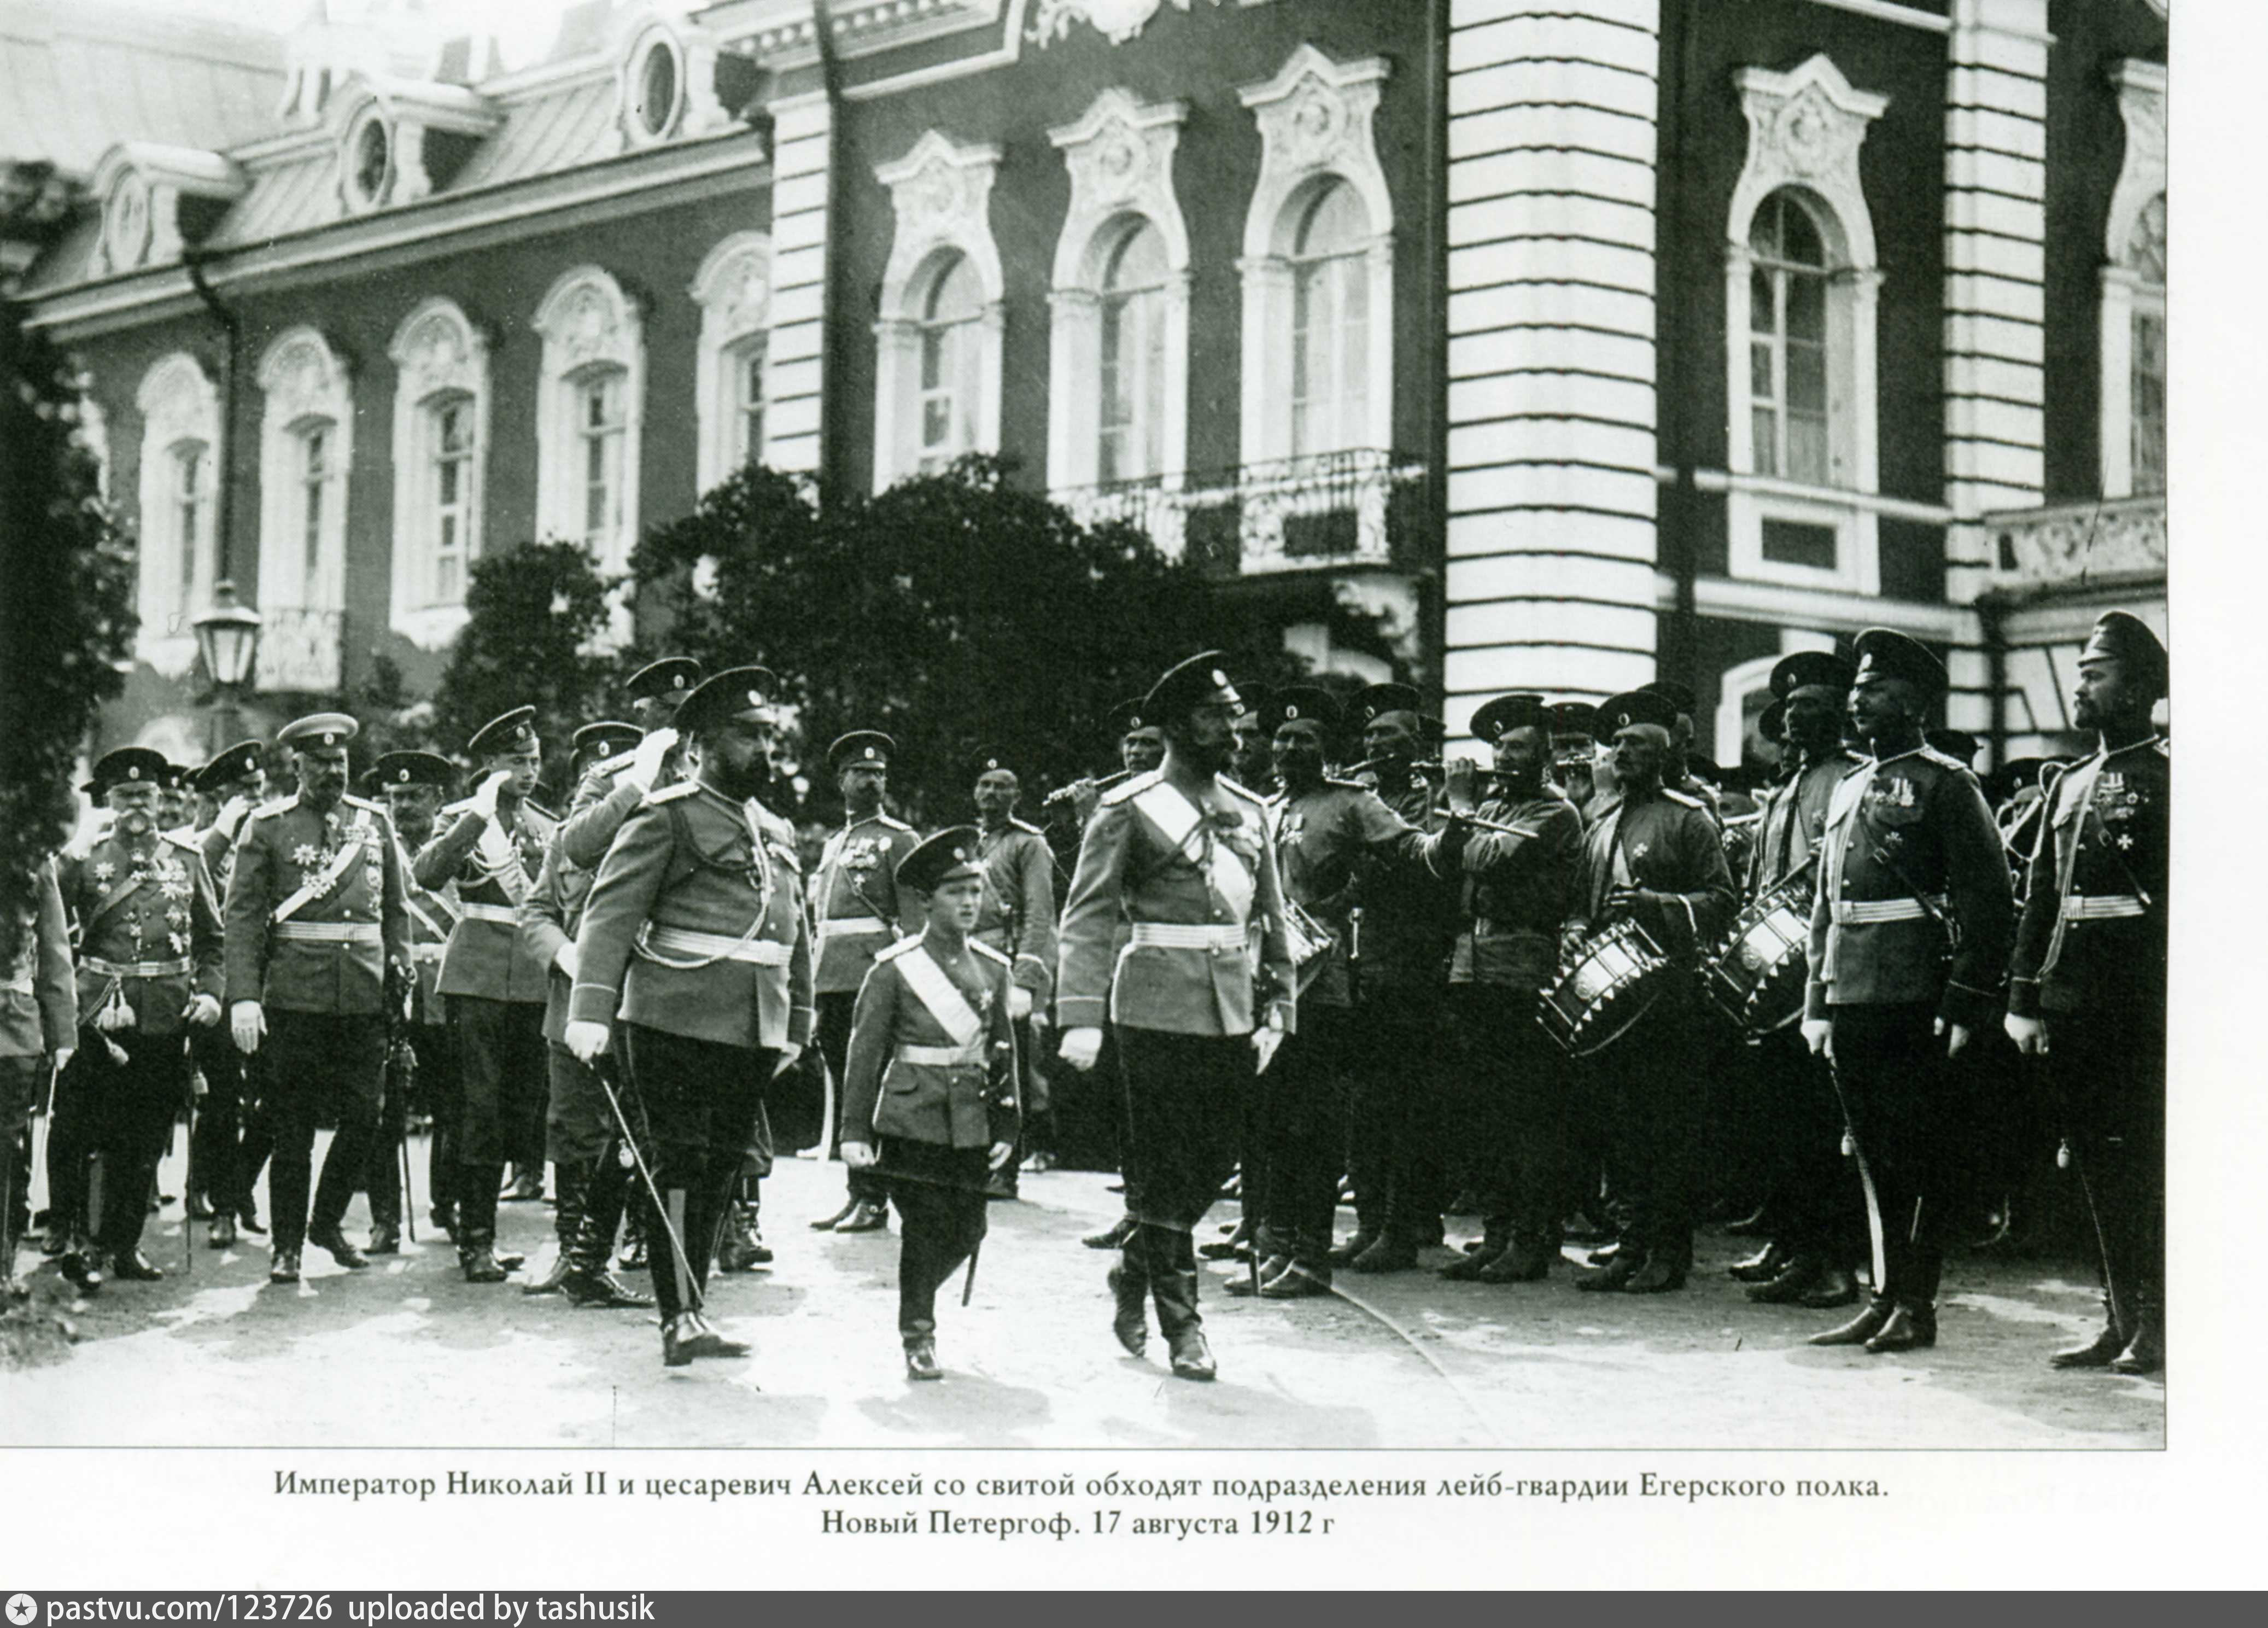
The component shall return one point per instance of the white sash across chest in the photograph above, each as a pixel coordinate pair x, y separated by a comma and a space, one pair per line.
1179, 820
941, 996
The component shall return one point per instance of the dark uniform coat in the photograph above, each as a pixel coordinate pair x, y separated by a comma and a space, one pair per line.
331, 955
1668, 847
2094, 928
949, 1090
1794, 820
1326, 840
1408, 921
1518, 890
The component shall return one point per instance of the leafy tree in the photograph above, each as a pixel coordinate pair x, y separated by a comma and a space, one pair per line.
532, 613
67, 619
955, 611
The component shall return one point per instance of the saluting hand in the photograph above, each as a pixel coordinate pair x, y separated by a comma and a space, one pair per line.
586, 1041
485, 796
645, 763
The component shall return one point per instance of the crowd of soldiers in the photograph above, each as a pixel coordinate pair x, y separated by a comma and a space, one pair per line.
1280, 913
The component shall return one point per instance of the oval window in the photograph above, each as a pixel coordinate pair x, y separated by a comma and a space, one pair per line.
657, 88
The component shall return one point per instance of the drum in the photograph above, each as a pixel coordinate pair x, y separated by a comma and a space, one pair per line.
1756, 976
1611, 982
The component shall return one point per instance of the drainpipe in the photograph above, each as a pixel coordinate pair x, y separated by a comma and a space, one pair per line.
1673, 416
231, 328
830, 84
1433, 576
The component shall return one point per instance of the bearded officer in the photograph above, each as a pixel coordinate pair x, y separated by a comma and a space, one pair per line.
694, 935
1200, 999
855, 900
929, 1097
1018, 918
230, 784
1910, 934
148, 972
2088, 975
491, 847
318, 944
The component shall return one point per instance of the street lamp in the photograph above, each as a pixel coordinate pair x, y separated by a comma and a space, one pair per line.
228, 637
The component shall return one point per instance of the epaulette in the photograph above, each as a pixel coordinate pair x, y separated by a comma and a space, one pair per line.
1026, 825
671, 794
1126, 790
1345, 785
985, 949
1680, 797
352, 802
894, 824
1930, 754
900, 947
775, 826
269, 811
180, 840
1238, 788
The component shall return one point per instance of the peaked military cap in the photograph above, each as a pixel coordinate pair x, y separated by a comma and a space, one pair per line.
1680, 697
936, 860
1383, 700
1201, 681
868, 746
735, 693
1492, 720
992, 760
1886, 654
129, 765
175, 777
1819, 671
1573, 718
1307, 704
1128, 715
1958, 744
672, 675
1634, 708
608, 736
413, 769
508, 731
1259, 699
317, 729
2125, 638
239, 762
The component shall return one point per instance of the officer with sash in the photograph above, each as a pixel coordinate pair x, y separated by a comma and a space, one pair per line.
230, 783
1018, 918
929, 1097
1201, 997
854, 901
1911, 927
2087, 984
491, 845
39, 1032
318, 945
694, 937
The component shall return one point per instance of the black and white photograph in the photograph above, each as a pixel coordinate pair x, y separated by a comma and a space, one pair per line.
1148, 725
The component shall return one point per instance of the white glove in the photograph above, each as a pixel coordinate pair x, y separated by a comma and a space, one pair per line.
1957, 1037
202, 1009
1080, 1047
1001, 1153
1019, 1001
63, 1055
860, 1155
586, 1041
2029, 1033
564, 958
1266, 1040
247, 1026
231, 817
787, 1060
1818, 1035
484, 797
645, 763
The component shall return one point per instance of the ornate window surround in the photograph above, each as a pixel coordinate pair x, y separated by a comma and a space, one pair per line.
303, 382
587, 322
1120, 156
942, 196
1315, 119
2141, 88
733, 288
1805, 130
437, 351
142, 184
178, 402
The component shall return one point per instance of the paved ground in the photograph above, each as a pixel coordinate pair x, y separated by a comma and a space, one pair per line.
407, 1353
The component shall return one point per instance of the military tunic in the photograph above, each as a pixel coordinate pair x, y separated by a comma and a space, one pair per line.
1017, 917
855, 901
38, 1016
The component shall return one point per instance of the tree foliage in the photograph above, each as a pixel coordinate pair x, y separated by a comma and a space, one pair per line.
67, 618
533, 614
953, 611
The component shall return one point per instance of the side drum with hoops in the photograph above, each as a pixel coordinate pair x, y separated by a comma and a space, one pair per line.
1611, 982
1756, 976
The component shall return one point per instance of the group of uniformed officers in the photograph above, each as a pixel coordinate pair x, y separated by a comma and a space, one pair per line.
1246, 977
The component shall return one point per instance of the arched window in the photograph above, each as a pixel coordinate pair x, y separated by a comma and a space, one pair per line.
1787, 342
1330, 324
2132, 335
950, 376
180, 449
440, 448
591, 415
306, 432
732, 367
2145, 258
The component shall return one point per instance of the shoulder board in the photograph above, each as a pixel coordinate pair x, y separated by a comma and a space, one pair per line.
1023, 825
895, 825
1239, 789
775, 825
607, 769
900, 947
671, 794
269, 811
540, 811
1681, 797
1345, 785
363, 802
987, 951
1126, 790
1931, 755
182, 840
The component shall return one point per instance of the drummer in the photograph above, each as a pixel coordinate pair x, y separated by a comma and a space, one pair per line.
1815, 1213
1652, 860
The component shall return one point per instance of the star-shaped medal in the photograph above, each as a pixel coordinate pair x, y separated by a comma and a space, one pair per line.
305, 856
104, 870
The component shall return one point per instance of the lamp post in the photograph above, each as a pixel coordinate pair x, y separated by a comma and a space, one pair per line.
228, 638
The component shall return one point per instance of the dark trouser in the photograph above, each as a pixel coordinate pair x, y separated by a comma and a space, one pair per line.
1301, 1113
939, 1193
315, 1061
221, 1113
440, 1097
1889, 1068
832, 1031
1819, 1208
388, 1156
1396, 1129
578, 1124
502, 1071
1185, 1105
2108, 1068
1652, 1080
256, 1139
113, 1116
1519, 1132
701, 1100
21, 1078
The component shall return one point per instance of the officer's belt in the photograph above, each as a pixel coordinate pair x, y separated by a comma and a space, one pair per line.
1869, 912
941, 1057
504, 913
2101, 906
423, 951
178, 968
844, 926
1163, 935
330, 931
654, 937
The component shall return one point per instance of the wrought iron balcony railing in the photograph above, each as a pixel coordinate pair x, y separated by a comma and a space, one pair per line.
1323, 511
300, 649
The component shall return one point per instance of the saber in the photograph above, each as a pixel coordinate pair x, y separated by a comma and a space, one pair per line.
409, 1187
189, 1180
968, 1282
1866, 1179
687, 1277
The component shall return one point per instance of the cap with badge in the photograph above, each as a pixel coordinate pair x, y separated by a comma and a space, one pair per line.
401, 768
505, 735
672, 675
861, 749
1571, 720
1259, 699
1385, 700
1201, 681
736, 693
1492, 720
1680, 697
946, 856
1128, 715
1819, 675
607, 737
990, 760
129, 765
1634, 709
318, 730
240, 762
1307, 703
1883, 653
2122, 637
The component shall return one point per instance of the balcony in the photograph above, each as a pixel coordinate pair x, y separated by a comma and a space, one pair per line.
300, 649
2078, 545
1327, 511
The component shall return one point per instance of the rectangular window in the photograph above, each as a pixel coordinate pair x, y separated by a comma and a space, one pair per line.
1133, 382
189, 522
450, 428
1787, 375
600, 428
314, 473
1330, 355
1788, 542
2149, 425
749, 402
